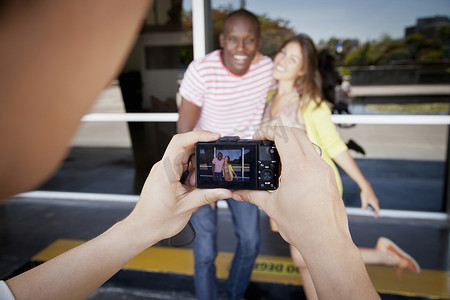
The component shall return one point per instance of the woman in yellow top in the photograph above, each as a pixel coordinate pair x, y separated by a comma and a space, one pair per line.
227, 170
298, 103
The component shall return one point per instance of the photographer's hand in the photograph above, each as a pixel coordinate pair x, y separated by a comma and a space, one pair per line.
310, 215
165, 205
163, 209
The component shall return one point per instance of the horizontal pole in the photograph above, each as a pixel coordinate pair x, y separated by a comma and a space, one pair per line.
98, 197
401, 90
130, 117
392, 119
76, 196
338, 119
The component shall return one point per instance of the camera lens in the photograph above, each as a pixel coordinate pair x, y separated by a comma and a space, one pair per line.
266, 175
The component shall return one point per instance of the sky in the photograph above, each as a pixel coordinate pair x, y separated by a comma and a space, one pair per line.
360, 19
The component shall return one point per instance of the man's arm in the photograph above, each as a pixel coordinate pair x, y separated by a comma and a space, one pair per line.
188, 116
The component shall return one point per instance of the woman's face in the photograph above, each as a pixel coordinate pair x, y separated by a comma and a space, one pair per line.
226, 159
288, 62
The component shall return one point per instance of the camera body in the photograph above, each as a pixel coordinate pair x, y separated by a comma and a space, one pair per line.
237, 164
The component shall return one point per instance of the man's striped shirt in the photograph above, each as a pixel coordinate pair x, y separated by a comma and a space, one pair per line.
230, 104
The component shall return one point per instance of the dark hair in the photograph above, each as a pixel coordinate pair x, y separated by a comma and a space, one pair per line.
244, 14
308, 85
330, 77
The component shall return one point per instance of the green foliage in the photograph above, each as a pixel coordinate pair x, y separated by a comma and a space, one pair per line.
387, 51
383, 51
273, 31
432, 55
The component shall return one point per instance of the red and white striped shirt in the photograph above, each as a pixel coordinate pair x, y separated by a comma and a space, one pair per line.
230, 104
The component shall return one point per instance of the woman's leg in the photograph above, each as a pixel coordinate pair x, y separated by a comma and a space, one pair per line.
308, 284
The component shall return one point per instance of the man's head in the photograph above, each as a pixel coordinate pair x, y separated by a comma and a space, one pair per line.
240, 40
219, 156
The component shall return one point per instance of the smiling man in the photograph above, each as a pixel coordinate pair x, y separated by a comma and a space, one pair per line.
225, 92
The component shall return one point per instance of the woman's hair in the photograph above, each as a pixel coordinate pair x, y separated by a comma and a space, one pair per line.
225, 159
308, 85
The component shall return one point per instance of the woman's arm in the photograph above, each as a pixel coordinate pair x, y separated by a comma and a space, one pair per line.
368, 197
336, 148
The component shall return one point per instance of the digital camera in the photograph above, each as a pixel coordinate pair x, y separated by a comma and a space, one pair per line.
237, 164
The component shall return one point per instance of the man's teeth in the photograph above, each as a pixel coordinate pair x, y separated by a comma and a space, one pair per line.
240, 56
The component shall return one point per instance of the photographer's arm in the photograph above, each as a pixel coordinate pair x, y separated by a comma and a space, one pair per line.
310, 215
163, 209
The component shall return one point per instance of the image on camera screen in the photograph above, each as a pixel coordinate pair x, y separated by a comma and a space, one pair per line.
226, 166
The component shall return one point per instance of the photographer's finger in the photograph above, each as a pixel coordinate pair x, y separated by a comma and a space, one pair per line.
183, 142
200, 197
192, 179
284, 137
266, 132
308, 147
258, 198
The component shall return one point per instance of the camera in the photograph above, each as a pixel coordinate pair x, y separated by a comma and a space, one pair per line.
237, 164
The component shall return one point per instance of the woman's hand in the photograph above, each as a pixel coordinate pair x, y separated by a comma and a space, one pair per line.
368, 197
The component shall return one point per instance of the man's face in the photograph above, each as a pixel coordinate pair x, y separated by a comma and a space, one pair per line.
240, 42
219, 156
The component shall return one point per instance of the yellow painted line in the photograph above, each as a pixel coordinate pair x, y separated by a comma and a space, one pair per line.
272, 269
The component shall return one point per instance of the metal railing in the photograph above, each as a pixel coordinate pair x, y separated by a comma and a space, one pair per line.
338, 119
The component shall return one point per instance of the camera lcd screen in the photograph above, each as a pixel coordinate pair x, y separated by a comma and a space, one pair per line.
231, 166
